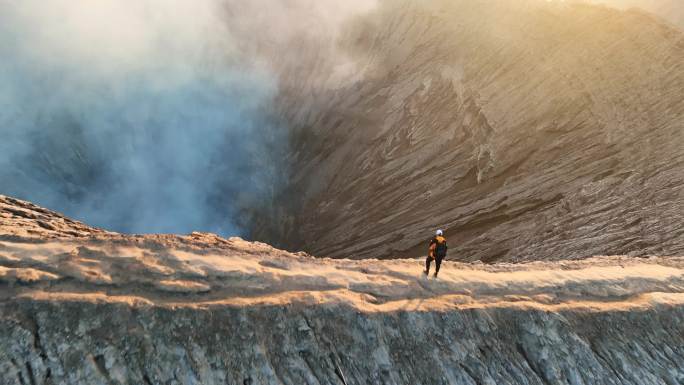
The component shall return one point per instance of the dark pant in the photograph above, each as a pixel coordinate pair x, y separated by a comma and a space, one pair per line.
438, 262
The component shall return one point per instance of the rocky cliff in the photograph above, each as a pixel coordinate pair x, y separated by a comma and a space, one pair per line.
85, 306
526, 129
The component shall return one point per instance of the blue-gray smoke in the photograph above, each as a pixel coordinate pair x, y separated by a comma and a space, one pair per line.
145, 124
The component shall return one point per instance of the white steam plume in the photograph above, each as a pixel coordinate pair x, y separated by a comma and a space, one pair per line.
147, 115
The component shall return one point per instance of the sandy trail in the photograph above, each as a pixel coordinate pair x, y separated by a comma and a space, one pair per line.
240, 273
44, 255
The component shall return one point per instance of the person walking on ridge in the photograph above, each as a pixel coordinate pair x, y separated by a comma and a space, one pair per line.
437, 252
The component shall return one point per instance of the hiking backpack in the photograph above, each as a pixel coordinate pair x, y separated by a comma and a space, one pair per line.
440, 247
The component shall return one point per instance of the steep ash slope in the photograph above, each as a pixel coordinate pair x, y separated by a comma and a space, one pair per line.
526, 129
670, 10
84, 306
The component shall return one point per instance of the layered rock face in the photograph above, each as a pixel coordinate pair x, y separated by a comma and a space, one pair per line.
79, 342
527, 130
84, 306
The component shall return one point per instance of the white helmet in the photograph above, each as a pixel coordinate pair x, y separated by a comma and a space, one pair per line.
439, 232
